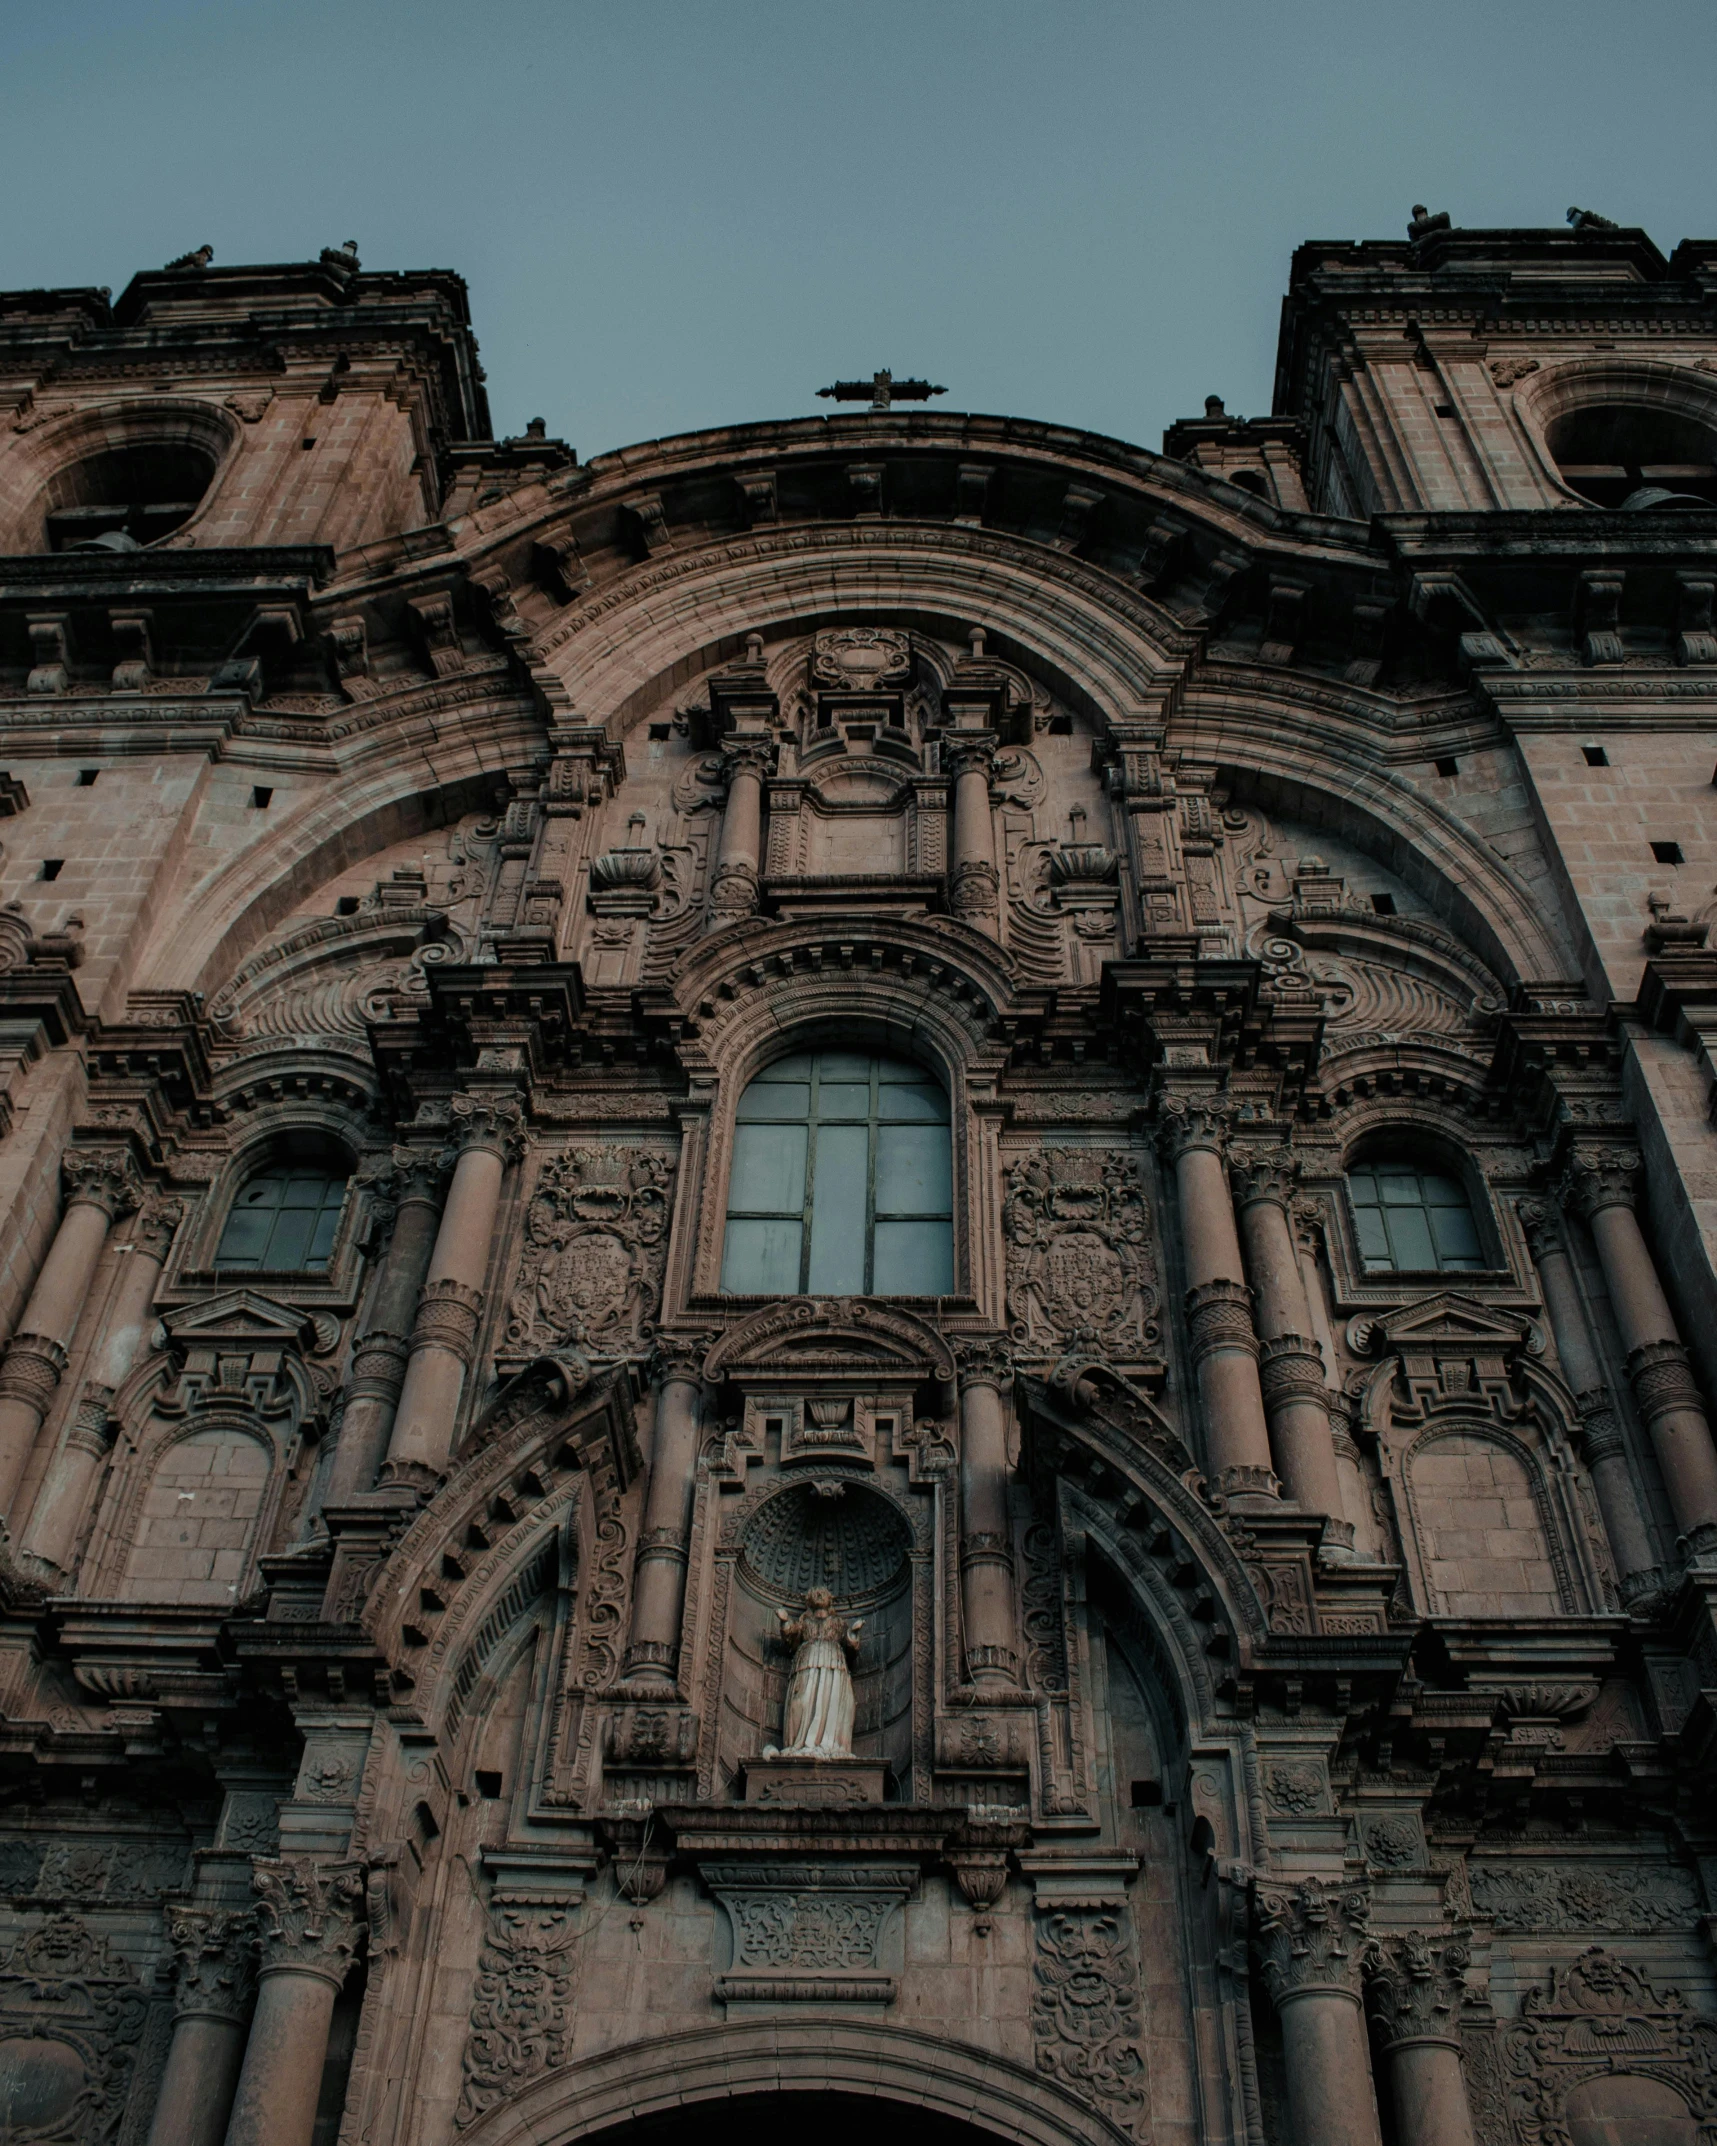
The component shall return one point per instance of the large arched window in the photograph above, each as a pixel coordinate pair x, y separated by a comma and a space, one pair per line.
842, 1181
284, 1220
1412, 1220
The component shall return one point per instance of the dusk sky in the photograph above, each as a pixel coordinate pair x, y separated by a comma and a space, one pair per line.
675, 215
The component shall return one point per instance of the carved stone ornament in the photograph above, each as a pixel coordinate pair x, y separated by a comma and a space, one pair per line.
1313, 1937
521, 2007
214, 1962
310, 1915
102, 1177
1601, 1177
1417, 1982
808, 1930
1186, 1122
1086, 2018
487, 1121
861, 659
1583, 1899
1594, 2020
71, 2019
1079, 1265
595, 1241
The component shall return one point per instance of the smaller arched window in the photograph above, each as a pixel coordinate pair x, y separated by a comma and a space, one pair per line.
1409, 1219
284, 1220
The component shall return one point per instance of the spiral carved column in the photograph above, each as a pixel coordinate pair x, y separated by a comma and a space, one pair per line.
1601, 1185
101, 1185
1218, 1304
1414, 1998
487, 1131
1313, 1945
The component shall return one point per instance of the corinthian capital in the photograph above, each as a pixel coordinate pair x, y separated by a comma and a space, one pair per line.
748, 755
1262, 1173
102, 1177
1187, 1122
1314, 1937
214, 1962
968, 752
310, 1915
1600, 1177
680, 1356
1416, 1985
495, 1122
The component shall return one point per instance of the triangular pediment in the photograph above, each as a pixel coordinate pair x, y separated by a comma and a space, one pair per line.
242, 1318
1450, 1320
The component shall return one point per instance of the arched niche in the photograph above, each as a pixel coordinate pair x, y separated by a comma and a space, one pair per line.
194, 1530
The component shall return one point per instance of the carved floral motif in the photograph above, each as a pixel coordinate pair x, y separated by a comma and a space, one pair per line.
1596, 2018
1079, 1265
1580, 1898
1085, 2011
521, 2007
595, 1242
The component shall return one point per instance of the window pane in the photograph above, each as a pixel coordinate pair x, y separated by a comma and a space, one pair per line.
1400, 1188
1410, 1238
798, 1067
776, 1099
245, 1238
843, 1099
914, 1259
1373, 1238
291, 1239
1456, 1239
912, 1170
929, 1105
1363, 1188
838, 1210
844, 1065
322, 1237
762, 1259
305, 1191
768, 1170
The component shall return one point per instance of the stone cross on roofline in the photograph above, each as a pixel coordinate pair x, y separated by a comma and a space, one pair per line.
880, 390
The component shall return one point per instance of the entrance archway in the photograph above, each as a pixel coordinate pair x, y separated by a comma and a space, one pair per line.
827, 2119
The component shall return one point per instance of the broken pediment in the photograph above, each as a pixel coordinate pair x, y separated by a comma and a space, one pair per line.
1441, 1324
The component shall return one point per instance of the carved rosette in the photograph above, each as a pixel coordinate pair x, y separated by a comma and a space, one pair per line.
1314, 1940
1086, 2018
447, 1316
102, 1177
310, 1915
1600, 1177
214, 1962
1219, 1316
1416, 1985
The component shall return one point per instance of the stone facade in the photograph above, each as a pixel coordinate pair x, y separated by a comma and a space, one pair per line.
1283, 1663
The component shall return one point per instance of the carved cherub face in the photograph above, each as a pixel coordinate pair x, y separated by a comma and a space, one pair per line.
819, 1598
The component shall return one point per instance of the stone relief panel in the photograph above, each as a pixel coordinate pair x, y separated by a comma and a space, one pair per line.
595, 1239
521, 2007
809, 1931
1599, 2045
1577, 1899
1086, 2017
1080, 1268
72, 2016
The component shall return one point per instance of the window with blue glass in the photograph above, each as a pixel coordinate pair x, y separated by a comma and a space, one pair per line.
283, 1221
842, 1181
1411, 1220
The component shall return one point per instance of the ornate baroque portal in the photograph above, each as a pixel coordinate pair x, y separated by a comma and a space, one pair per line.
863, 1268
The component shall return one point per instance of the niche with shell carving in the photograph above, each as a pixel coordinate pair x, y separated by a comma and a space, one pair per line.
832, 1532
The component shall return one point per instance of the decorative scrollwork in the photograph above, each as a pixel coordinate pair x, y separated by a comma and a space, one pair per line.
590, 1272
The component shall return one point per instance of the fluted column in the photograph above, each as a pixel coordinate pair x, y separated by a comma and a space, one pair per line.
1313, 1944
1600, 1430
1291, 1365
986, 1543
1414, 1998
384, 1348
63, 1502
659, 1576
1218, 1304
310, 1916
1601, 1185
100, 1186
485, 1132
973, 883
733, 887
214, 1978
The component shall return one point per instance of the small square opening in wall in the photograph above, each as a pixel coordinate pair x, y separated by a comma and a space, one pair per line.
1448, 765
1596, 756
346, 906
261, 798
52, 867
1147, 1795
1667, 852
86, 777
488, 1785
660, 733
1383, 905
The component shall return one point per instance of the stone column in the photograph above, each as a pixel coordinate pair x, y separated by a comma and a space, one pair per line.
1218, 1304
1313, 1944
973, 883
1291, 1365
214, 1975
486, 1133
1601, 1186
384, 1347
733, 887
1414, 1997
659, 1575
100, 1186
986, 1546
311, 1919
1600, 1432
63, 1502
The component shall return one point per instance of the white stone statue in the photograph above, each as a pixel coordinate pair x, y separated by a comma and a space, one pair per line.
820, 1690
